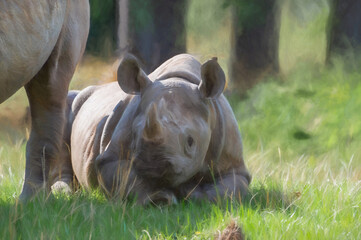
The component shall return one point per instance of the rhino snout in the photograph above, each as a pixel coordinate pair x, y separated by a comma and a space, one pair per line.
153, 166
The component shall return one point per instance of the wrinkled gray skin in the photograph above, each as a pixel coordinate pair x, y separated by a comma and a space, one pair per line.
170, 135
41, 43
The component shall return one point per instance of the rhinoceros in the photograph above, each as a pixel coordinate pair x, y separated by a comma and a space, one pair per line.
167, 136
41, 42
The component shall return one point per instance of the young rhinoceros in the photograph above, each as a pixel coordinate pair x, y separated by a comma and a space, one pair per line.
170, 135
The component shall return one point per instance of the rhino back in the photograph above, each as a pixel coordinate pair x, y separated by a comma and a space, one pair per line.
183, 66
29, 31
90, 110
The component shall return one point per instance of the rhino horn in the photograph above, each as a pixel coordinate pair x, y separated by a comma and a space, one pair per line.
131, 78
153, 127
213, 79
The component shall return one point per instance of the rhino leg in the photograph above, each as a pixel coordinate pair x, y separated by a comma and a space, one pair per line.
115, 177
47, 93
62, 175
231, 184
118, 180
156, 197
48, 118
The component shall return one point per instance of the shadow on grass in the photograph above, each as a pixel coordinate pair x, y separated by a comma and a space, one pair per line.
85, 215
260, 197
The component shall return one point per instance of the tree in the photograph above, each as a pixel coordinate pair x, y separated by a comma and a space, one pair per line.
344, 26
156, 30
122, 26
256, 34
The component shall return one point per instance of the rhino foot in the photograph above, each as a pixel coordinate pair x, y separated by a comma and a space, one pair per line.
163, 197
31, 190
61, 187
34, 192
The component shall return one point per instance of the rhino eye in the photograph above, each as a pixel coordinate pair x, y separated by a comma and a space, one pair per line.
190, 141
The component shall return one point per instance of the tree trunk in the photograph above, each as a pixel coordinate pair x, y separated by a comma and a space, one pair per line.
255, 43
121, 25
344, 27
156, 30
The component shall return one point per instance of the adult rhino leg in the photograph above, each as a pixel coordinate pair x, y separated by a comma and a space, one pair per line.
47, 126
47, 93
62, 175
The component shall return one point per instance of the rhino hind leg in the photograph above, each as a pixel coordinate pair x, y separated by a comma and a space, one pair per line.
62, 175
47, 93
47, 128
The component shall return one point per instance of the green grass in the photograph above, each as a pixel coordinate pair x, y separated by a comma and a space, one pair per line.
312, 114
301, 139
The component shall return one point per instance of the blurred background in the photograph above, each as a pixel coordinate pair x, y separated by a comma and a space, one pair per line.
252, 38
292, 67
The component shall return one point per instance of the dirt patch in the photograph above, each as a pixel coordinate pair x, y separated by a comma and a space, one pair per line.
231, 232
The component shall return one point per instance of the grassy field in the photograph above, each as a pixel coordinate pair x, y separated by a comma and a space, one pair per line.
302, 138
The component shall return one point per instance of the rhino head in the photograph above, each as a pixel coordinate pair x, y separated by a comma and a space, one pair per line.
173, 123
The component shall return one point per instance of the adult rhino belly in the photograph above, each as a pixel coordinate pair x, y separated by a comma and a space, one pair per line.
29, 31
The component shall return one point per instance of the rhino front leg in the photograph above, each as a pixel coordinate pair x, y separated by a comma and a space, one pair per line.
115, 176
231, 184
118, 180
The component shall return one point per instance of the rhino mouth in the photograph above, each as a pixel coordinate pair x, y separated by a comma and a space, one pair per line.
152, 163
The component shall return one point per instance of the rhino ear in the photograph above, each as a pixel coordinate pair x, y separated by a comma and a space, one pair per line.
153, 127
213, 79
131, 77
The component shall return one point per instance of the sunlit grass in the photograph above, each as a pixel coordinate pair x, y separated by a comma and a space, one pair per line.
310, 118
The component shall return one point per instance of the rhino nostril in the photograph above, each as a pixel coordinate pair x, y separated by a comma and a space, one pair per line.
190, 141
